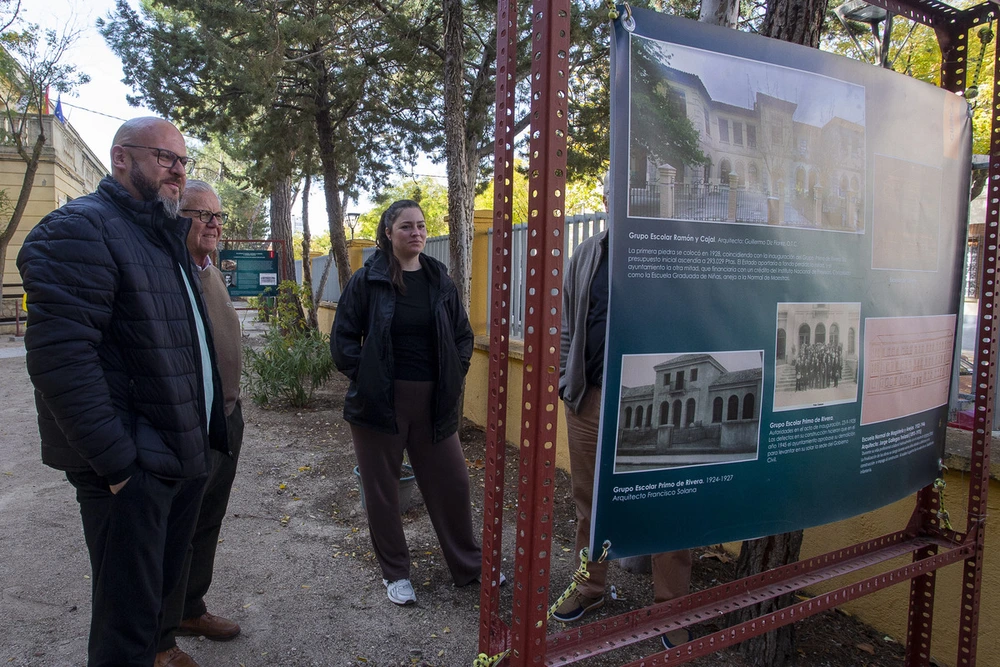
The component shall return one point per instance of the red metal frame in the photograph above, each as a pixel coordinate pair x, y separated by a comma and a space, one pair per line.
931, 545
494, 635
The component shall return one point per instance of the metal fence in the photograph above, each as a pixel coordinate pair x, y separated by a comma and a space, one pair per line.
578, 229
332, 290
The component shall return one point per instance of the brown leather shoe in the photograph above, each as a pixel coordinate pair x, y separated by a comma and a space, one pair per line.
209, 626
174, 657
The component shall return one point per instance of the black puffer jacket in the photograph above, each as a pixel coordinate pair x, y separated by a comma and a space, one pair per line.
361, 344
112, 348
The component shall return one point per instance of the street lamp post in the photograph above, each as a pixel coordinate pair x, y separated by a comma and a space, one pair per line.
352, 221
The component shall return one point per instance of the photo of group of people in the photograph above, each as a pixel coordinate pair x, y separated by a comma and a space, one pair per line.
678, 410
816, 354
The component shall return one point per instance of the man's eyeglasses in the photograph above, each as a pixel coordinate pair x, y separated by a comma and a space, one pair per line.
166, 158
206, 216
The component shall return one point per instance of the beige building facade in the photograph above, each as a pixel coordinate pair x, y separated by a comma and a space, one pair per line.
68, 169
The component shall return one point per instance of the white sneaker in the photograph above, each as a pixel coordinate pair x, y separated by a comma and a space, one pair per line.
400, 591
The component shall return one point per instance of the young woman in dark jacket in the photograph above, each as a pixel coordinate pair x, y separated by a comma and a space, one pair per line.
401, 335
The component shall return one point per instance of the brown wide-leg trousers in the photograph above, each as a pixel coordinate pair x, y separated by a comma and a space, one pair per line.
672, 570
441, 474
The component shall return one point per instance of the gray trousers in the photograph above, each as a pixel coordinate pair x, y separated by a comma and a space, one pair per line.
442, 477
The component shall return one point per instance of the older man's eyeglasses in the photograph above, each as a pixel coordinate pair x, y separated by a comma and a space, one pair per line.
206, 216
166, 158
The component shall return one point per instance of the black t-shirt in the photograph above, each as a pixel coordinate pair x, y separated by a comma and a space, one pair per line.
412, 329
597, 320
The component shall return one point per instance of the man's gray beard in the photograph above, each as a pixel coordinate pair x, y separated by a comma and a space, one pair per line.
149, 192
171, 207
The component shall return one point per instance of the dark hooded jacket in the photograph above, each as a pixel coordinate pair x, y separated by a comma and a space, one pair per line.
361, 344
112, 345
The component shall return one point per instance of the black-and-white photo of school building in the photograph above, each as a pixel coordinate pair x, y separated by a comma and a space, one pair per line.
816, 354
775, 146
699, 409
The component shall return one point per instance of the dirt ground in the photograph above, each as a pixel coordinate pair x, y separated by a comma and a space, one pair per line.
295, 566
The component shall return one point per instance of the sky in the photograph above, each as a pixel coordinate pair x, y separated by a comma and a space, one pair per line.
819, 98
637, 369
97, 109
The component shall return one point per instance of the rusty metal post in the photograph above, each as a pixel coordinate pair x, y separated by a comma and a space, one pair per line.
985, 387
550, 22
493, 633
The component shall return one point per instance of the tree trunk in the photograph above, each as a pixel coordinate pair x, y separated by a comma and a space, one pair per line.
460, 187
720, 12
281, 230
775, 648
799, 22
796, 21
331, 177
307, 280
281, 224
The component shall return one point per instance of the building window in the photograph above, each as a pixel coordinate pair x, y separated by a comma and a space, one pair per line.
649, 416
666, 379
638, 417
777, 135
708, 122
717, 410
680, 380
678, 101
689, 417
803, 146
752, 136
820, 334
738, 134
628, 417
850, 340
748, 404
677, 413
664, 413
733, 409
724, 130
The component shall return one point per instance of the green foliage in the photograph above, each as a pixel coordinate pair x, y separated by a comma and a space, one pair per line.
247, 205
660, 125
294, 361
429, 192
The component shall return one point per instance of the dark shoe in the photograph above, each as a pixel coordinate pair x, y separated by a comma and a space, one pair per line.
575, 606
211, 627
174, 657
676, 638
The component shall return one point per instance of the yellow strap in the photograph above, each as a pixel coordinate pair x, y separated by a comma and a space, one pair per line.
942, 515
579, 576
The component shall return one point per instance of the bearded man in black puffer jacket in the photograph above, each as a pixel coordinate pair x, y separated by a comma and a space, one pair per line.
120, 354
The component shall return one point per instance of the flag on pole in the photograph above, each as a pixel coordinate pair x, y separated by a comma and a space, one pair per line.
59, 112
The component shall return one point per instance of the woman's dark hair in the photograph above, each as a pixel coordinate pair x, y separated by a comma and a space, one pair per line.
382, 242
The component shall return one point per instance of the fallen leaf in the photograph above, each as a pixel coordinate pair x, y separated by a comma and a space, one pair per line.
717, 553
867, 648
282, 486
